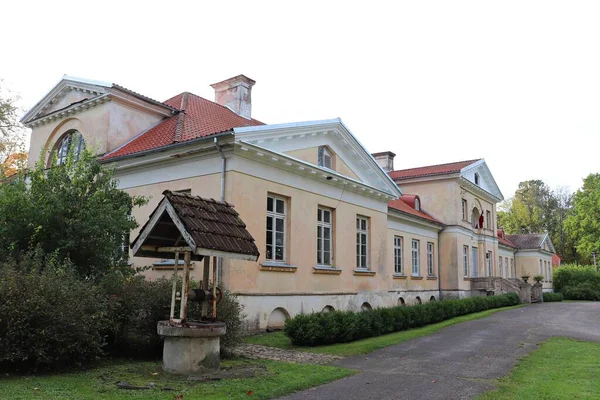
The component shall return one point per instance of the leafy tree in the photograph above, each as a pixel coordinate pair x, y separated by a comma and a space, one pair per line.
74, 211
530, 210
583, 223
12, 154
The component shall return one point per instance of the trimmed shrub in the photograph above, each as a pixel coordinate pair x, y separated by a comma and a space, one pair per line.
548, 297
577, 282
49, 319
581, 291
344, 326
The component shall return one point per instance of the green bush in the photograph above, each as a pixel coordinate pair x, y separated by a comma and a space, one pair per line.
344, 326
577, 282
548, 297
49, 317
581, 291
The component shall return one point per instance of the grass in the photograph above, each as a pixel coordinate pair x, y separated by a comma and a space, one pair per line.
560, 369
100, 383
363, 346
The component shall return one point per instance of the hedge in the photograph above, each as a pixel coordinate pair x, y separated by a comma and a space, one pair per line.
577, 282
548, 297
345, 326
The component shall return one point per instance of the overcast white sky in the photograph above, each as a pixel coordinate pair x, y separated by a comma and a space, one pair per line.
514, 82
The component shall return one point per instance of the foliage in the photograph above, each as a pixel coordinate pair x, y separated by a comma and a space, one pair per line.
577, 282
538, 278
364, 346
230, 311
12, 154
549, 297
49, 317
584, 222
74, 211
344, 326
274, 379
560, 368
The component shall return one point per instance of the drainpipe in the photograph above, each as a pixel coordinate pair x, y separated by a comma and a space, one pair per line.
222, 198
440, 295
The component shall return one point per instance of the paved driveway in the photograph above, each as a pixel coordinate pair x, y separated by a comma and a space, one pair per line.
460, 361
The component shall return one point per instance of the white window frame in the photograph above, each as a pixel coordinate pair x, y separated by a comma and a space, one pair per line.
430, 262
466, 250
398, 255
65, 145
324, 155
500, 267
489, 258
324, 248
275, 215
362, 254
417, 204
513, 269
508, 272
488, 219
415, 257
465, 210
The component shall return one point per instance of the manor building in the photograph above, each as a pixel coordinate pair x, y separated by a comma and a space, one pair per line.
336, 226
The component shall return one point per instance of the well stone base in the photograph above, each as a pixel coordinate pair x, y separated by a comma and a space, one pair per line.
191, 349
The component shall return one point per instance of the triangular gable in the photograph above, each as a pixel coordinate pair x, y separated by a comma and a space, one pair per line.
486, 179
283, 138
67, 91
548, 245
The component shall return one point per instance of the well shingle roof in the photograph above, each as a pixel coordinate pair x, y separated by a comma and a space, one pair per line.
440, 169
198, 117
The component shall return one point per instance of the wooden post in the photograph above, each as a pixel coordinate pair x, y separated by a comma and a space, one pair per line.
214, 291
205, 284
184, 295
174, 286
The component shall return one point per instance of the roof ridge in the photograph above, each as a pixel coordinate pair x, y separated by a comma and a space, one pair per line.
180, 118
438, 165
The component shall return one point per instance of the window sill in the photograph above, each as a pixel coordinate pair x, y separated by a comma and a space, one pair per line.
363, 272
432, 278
418, 278
277, 267
326, 270
399, 276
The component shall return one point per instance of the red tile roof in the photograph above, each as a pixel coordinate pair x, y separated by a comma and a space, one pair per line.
197, 118
430, 170
402, 205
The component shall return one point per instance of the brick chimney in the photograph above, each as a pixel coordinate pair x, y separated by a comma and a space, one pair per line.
385, 159
235, 94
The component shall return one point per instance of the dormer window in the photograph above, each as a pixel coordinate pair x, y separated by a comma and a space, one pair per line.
476, 178
324, 157
417, 204
72, 141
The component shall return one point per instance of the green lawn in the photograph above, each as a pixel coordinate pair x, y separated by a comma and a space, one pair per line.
278, 339
560, 369
100, 383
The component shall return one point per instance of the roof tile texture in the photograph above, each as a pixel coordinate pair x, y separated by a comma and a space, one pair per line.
430, 170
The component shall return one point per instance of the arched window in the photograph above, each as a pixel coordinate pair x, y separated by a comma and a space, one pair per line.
417, 204
72, 141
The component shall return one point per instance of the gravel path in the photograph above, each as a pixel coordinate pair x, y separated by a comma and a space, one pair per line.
271, 353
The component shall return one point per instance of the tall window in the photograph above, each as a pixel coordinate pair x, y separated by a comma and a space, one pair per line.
276, 215
362, 242
488, 220
417, 204
508, 273
464, 210
324, 235
466, 260
500, 267
430, 271
324, 157
415, 257
488, 259
398, 264
512, 267
71, 142
476, 178
541, 270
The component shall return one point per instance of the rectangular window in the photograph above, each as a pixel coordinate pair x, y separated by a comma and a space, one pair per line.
500, 267
488, 220
362, 242
415, 257
488, 259
541, 271
512, 267
430, 259
398, 264
508, 273
324, 157
276, 215
466, 260
464, 210
324, 236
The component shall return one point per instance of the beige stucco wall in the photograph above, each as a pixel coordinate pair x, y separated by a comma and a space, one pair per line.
103, 127
311, 155
508, 255
528, 263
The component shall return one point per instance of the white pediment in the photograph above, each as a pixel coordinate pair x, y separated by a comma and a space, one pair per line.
480, 175
288, 138
67, 92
